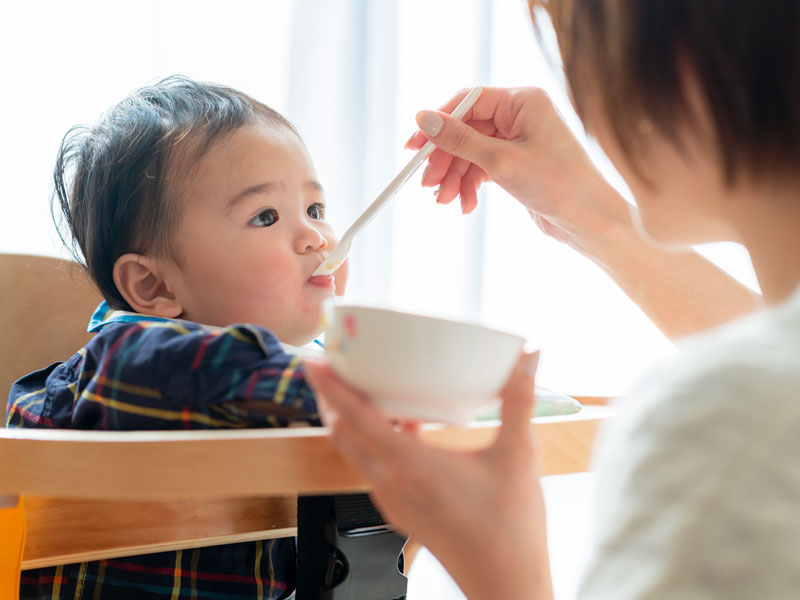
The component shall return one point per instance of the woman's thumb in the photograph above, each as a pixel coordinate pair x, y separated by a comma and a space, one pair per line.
456, 137
518, 400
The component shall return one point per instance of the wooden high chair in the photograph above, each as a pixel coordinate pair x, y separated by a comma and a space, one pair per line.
46, 306
94, 495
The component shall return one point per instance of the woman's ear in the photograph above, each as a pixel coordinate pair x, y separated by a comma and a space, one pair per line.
138, 280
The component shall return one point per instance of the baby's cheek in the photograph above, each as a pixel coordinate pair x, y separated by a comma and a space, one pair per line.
279, 269
269, 284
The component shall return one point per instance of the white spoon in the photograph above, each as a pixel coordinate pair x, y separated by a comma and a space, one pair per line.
339, 254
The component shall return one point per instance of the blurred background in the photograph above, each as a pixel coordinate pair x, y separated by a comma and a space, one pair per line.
351, 75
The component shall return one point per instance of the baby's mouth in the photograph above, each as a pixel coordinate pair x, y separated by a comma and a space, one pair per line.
321, 280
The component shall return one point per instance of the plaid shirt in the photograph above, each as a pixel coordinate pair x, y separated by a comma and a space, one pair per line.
143, 372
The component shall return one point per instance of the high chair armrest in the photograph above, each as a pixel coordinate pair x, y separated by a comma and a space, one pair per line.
143, 492
162, 465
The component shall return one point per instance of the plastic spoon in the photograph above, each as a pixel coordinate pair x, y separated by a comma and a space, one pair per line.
339, 254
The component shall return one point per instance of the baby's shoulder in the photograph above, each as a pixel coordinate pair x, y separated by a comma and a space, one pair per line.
177, 342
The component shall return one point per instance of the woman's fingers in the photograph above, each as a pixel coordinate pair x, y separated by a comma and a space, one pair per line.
440, 162
438, 165
398, 466
470, 183
355, 422
450, 187
458, 138
343, 399
417, 140
518, 403
456, 176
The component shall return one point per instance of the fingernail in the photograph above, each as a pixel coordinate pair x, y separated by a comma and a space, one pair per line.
409, 139
429, 123
530, 362
425, 172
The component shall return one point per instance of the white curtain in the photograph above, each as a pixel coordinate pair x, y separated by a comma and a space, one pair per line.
351, 74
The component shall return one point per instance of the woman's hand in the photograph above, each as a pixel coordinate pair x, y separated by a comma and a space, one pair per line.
517, 138
481, 513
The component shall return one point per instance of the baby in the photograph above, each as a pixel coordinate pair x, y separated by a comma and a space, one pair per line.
199, 215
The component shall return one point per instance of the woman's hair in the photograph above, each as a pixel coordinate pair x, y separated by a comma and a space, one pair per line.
117, 183
744, 55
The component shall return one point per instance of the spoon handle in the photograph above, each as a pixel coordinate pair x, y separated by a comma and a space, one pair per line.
338, 255
407, 171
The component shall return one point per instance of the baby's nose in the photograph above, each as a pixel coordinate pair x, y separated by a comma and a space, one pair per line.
311, 239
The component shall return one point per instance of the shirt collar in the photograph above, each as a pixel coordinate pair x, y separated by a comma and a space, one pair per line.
105, 315
312, 349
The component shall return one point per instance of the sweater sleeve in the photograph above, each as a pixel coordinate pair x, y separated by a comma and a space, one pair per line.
698, 487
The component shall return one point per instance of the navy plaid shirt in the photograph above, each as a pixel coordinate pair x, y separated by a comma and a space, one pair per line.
146, 373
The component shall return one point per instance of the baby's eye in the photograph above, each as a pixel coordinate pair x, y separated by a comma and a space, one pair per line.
316, 211
265, 218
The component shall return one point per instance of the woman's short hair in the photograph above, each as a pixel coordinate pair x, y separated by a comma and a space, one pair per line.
117, 183
745, 57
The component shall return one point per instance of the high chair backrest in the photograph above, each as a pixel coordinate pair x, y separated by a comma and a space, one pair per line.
46, 306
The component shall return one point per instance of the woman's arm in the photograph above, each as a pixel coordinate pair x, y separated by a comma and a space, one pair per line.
516, 138
680, 291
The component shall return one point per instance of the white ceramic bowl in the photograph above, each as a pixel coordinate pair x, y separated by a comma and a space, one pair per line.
418, 366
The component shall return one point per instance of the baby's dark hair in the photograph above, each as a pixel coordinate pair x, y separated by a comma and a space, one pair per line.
117, 182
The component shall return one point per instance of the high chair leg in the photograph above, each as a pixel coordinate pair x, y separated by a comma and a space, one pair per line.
12, 544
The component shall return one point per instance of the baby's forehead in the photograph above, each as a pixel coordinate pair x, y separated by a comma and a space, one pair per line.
199, 145
249, 155
199, 149
252, 141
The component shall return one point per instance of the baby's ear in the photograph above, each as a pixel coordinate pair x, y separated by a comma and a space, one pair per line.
138, 280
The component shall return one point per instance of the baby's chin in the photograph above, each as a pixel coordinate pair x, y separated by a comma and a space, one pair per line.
300, 339
299, 333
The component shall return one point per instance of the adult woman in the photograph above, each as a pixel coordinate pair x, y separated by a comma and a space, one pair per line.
694, 103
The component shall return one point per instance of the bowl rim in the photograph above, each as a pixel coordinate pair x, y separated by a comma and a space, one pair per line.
470, 324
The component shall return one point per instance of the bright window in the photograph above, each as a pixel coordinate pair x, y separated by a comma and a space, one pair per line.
351, 74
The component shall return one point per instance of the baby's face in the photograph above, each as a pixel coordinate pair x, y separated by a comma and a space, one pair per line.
252, 231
